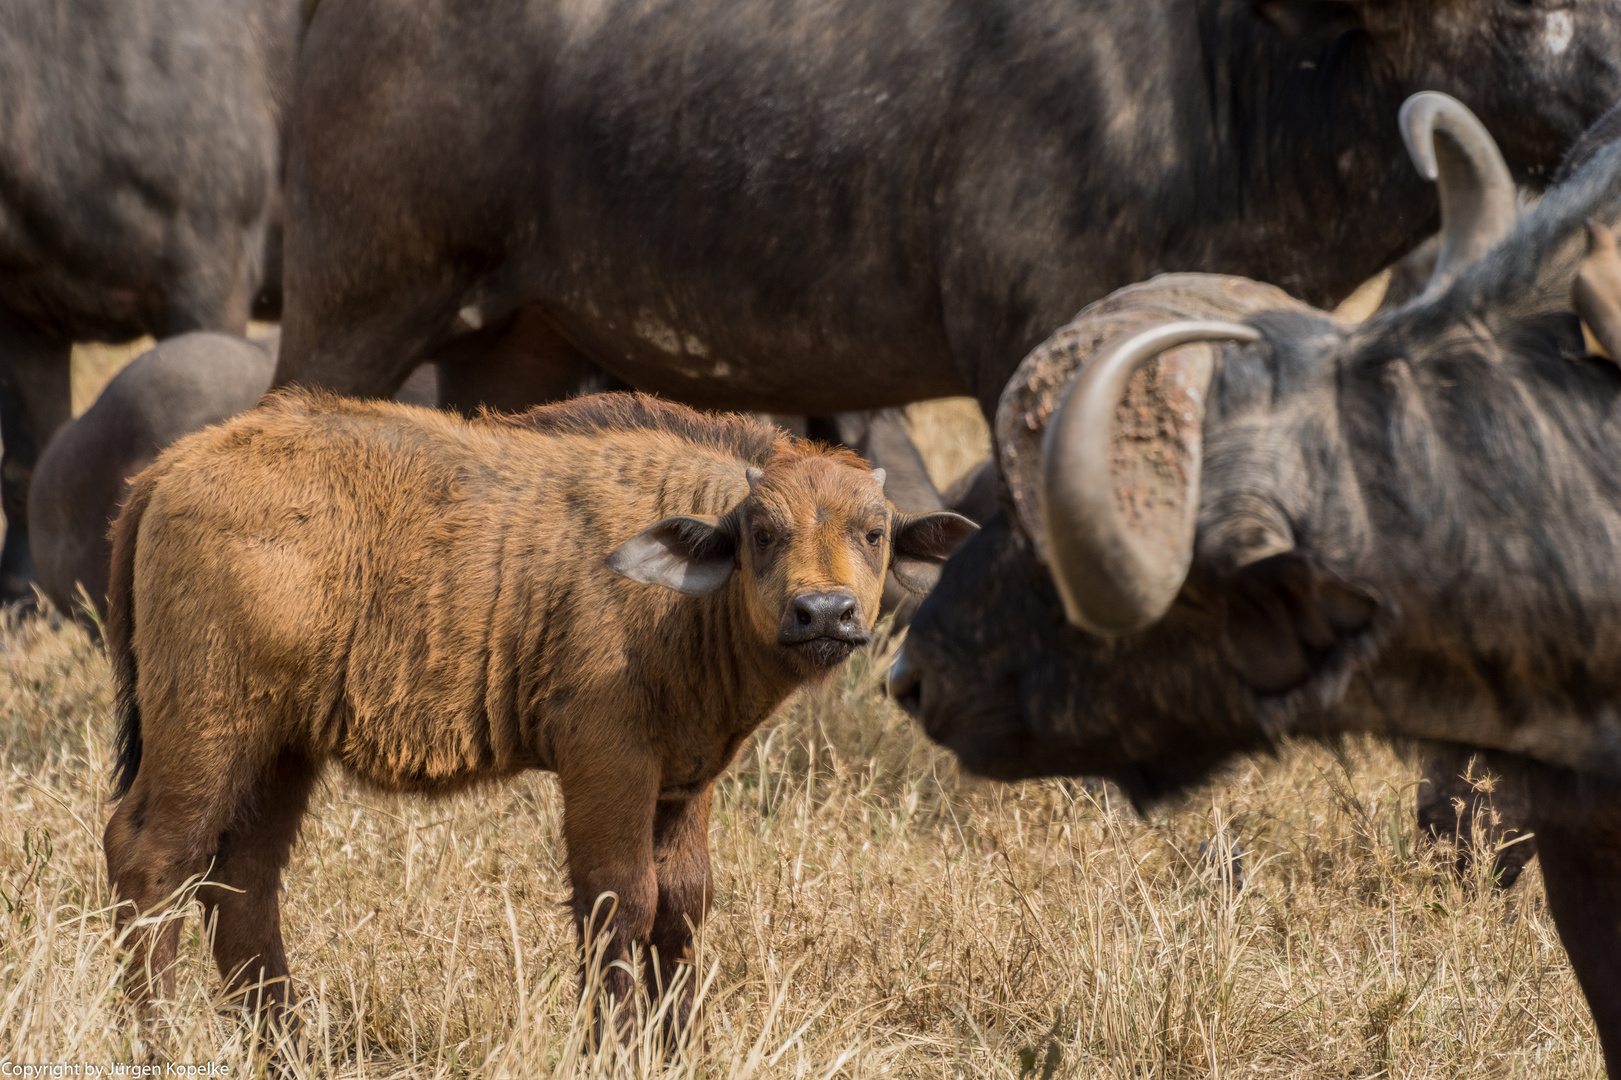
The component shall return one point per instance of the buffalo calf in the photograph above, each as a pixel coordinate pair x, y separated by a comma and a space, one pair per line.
615, 589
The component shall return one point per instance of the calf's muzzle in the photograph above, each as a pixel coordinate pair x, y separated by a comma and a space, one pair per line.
825, 626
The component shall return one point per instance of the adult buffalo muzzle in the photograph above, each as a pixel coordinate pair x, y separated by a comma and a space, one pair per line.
905, 688
1115, 575
825, 626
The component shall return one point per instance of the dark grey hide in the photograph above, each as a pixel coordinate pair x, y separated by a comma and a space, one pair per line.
182, 385
140, 154
1410, 527
828, 205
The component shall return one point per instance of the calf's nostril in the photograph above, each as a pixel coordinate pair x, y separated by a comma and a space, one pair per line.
823, 614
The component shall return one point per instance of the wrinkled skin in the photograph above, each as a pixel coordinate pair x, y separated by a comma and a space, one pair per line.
829, 205
1410, 528
140, 157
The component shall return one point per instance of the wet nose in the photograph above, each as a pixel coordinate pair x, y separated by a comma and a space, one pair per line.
905, 689
823, 615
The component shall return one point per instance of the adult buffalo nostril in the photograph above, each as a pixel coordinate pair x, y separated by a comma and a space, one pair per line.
905, 689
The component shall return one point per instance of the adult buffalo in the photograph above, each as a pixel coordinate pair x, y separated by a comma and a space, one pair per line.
826, 205
1410, 527
140, 150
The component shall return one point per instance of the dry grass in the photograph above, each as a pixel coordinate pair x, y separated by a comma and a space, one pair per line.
877, 914
94, 365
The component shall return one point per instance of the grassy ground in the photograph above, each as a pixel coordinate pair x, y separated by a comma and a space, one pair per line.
877, 913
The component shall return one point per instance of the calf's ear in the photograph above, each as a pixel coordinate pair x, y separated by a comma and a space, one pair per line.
921, 545
1289, 617
692, 555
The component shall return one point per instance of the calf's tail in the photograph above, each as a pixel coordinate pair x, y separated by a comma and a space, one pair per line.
121, 630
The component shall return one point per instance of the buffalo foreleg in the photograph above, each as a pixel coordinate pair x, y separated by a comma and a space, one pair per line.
608, 805
686, 889
1581, 869
35, 400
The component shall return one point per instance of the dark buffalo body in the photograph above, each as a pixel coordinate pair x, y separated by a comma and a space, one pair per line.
140, 155
1410, 527
836, 204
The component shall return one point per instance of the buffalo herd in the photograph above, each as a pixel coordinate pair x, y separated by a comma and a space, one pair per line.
1219, 516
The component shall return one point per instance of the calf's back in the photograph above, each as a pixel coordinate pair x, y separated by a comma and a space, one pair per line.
423, 597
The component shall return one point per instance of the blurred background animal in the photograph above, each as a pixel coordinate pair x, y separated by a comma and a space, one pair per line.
140, 162
842, 205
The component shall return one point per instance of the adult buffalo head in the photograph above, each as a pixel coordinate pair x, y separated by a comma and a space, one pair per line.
1247, 519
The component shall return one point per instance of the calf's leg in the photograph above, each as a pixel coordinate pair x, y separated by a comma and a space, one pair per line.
157, 840
245, 914
608, 803
686, 889
1581, 868
35, 400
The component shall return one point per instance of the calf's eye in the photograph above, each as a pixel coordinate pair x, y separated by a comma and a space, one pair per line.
762, 538
875, 537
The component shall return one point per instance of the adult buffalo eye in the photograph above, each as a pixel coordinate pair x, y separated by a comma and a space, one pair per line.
875, 537
762, 538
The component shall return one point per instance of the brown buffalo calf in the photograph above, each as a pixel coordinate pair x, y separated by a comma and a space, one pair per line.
616, 589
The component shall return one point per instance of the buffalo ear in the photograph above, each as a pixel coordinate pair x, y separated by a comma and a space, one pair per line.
922, 543
692, 555
1288, 617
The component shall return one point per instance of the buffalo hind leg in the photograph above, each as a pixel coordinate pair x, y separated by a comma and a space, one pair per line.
526, 362
608, 804
686, 889
244, 915
1581, 869
156, 842
35, 400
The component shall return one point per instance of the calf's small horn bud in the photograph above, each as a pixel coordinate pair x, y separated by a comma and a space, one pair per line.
753, 476
880, 476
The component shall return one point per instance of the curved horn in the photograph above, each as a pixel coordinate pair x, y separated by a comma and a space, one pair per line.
1113, 578
1477, 192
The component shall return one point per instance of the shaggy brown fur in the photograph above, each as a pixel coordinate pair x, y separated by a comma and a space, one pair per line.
433, 601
